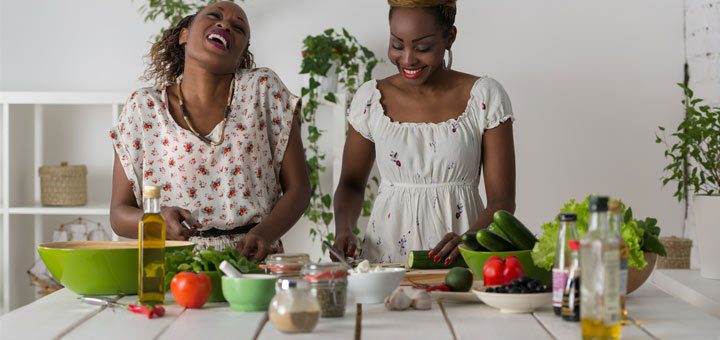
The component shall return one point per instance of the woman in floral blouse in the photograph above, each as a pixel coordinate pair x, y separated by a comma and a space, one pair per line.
220, 138
431, 130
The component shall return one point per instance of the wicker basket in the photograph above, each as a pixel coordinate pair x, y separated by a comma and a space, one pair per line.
64, 185
678, 253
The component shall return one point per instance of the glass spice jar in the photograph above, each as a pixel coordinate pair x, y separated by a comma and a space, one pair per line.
328, 283
294, 309
286, 265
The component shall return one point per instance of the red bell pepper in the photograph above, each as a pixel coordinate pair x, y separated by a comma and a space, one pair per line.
513, 269
493, 271
499, 272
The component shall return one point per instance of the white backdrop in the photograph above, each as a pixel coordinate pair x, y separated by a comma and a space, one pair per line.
589, 82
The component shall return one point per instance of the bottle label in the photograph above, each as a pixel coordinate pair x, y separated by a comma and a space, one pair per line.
611, 294
559, 280
623, 276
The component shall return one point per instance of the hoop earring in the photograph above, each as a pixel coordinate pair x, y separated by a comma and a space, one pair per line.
448, 65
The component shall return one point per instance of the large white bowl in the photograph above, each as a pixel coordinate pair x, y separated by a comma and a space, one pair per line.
373, 287
514, 303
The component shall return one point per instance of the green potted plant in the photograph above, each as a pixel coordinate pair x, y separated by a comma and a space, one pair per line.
693, 150
353, 64
171, 11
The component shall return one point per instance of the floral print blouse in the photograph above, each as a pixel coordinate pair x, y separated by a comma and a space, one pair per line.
225, 186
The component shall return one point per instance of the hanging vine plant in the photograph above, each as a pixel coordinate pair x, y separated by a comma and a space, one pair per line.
354, 64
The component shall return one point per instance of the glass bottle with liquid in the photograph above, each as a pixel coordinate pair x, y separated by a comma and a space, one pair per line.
562, 262
571, 294
151, 249
600, 276
615, 215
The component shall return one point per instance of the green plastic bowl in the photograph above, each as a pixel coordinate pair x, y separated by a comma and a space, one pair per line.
97, 267
249, 293
476, 260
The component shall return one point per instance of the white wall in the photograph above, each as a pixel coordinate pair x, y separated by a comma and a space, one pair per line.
702, 47
589, 81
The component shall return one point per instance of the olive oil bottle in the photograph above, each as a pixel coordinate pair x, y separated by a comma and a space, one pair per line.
151, 249
599, 276
615, 211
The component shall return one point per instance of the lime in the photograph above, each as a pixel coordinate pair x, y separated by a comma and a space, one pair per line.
459, 279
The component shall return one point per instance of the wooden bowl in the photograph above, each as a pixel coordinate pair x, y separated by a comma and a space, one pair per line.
636, 277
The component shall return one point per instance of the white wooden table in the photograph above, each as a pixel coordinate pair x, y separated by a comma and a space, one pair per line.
60, 315
688, 285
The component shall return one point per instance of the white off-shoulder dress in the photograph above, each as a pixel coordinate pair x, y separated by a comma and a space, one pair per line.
430, 171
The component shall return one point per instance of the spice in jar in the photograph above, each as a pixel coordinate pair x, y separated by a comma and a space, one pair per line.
286, 265
294, 309
328, 283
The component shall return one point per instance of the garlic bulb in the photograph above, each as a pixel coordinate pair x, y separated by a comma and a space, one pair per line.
398, 300
421, 300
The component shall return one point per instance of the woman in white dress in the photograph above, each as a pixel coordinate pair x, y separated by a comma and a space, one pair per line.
432, 131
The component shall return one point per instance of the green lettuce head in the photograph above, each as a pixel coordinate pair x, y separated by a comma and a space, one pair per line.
632, 231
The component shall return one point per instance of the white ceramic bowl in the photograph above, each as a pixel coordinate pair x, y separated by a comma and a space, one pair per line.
373, 287
514, 303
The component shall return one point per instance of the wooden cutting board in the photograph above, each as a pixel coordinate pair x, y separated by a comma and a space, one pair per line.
426, 276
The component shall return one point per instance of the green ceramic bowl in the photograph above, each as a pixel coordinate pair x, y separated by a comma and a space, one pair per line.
97, 267
249, 293
476, 260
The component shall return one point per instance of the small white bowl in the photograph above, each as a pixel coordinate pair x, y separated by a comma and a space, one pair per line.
373, 287
514, 303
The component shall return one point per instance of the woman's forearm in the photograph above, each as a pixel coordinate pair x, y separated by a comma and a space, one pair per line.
284, 215
347, 207
124, 220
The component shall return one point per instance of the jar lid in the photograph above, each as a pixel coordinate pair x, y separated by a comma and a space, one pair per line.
63, 170
292, 283
325, 271
288, 258
285, 263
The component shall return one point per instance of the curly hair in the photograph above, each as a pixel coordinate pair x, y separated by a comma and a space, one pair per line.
444, 10
167, 55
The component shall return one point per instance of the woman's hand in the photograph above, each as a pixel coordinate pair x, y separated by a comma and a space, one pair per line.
446, 249
345, 244
255, 246
173, 217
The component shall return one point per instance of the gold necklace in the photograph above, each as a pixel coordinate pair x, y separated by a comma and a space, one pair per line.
186, 116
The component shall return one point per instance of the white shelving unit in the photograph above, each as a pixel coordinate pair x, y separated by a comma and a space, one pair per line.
41, 128
35, 130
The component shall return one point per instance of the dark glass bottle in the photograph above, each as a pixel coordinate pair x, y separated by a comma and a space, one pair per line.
571, 297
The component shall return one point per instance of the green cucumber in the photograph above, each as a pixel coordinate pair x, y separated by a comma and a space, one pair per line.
516, 232
495, 229
493, 242
419, 259
470, 241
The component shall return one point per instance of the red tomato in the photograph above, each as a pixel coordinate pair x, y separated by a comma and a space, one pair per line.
513, 269
191, 290
493, 271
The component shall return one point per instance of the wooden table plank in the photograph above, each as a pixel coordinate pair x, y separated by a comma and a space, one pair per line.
46, 318
329, 328
689, 286
561, 329
118, 323
667, 317
214, 321
472, 321
379, 323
